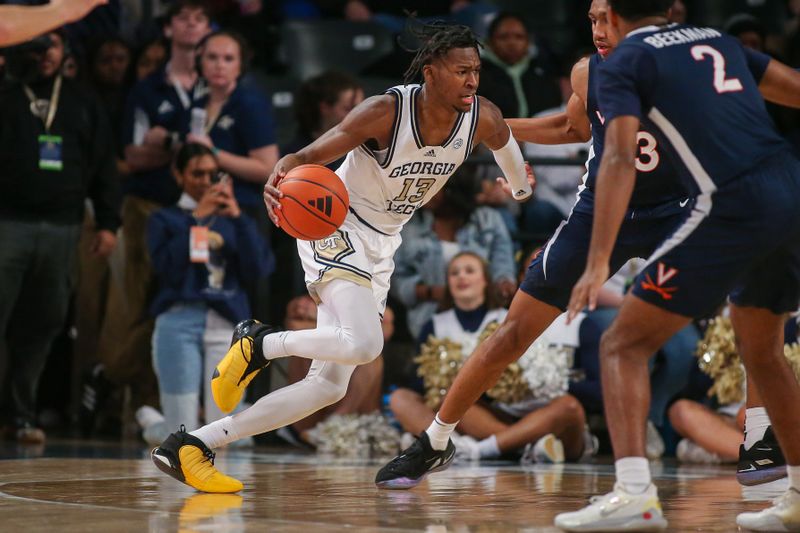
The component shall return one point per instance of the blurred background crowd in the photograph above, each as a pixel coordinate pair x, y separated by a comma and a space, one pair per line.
151, 126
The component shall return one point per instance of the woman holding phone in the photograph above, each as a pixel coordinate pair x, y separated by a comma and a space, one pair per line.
202, 249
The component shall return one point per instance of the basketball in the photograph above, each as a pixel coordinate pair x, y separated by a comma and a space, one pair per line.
314, 202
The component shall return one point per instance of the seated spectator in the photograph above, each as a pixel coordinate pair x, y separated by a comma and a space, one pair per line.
511, 77
321, 103
202, 250
238, 127
364, 391
714, 435
557, 426
448, 224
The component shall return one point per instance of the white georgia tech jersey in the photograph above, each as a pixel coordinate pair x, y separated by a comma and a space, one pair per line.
387, 186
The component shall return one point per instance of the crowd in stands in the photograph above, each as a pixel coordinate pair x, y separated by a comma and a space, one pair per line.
134, 146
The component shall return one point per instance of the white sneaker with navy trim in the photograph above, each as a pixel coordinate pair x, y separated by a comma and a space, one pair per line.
784, 515
617, 511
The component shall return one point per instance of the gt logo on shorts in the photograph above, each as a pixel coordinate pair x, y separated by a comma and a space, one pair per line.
663, 275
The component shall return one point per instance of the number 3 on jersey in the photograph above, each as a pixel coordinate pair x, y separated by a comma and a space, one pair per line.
648, 158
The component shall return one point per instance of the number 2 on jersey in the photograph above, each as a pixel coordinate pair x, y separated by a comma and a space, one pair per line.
721, 84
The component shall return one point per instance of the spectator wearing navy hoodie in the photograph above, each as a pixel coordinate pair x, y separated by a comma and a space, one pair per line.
202, 250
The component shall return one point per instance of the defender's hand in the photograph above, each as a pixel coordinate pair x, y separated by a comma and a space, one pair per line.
586, 290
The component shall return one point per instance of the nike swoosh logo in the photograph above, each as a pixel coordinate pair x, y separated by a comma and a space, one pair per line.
683, 203
433, 463
752, 467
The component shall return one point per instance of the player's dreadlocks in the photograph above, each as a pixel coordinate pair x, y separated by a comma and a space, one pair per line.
435, 40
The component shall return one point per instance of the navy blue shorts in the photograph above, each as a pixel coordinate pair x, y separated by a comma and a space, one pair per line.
561, 262
743, 240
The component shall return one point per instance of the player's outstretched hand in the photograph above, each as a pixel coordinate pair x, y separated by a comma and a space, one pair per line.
531, 181
586, 290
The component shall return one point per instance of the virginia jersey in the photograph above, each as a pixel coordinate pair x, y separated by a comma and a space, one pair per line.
387, 186
696, 90
655, 179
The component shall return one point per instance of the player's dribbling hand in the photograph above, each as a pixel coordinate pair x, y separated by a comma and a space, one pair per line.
531, 181
586, 290
273, 195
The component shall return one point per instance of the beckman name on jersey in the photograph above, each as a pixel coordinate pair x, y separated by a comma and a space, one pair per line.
426, 168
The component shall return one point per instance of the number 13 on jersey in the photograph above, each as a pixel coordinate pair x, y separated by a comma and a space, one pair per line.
406, 201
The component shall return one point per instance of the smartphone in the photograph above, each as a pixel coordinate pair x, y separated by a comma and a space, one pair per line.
220, 177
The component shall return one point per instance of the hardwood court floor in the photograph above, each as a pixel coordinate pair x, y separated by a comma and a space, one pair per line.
108, 488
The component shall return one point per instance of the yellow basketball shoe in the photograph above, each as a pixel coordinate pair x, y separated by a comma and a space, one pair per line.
240, 365
201, 507
189, 460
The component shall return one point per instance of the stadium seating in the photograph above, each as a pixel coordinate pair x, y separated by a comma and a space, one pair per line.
312, 47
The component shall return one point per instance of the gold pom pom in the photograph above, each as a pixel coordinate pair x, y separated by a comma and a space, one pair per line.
720, 361
439, 361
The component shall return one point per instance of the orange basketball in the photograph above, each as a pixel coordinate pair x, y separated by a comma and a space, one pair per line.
314, 202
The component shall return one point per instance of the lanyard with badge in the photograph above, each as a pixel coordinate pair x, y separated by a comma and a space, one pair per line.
50, 146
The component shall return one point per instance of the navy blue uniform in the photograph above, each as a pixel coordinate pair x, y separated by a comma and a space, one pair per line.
696, 90
155, 101
658, 206
244, 123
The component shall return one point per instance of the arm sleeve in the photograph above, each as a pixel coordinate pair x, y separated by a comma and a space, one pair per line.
757, 62
104, 189
168, 245
626, 81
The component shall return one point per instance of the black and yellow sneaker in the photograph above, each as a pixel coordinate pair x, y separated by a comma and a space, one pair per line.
240, 365
762, 462
408, 469
189, 460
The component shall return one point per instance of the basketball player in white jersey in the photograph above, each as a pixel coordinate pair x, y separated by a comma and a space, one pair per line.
401, 148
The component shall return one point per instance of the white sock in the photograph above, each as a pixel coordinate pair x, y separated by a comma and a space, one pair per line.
273, 345
439, 433
756, 422
217, 434
794, 476
633, 473
488, 448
